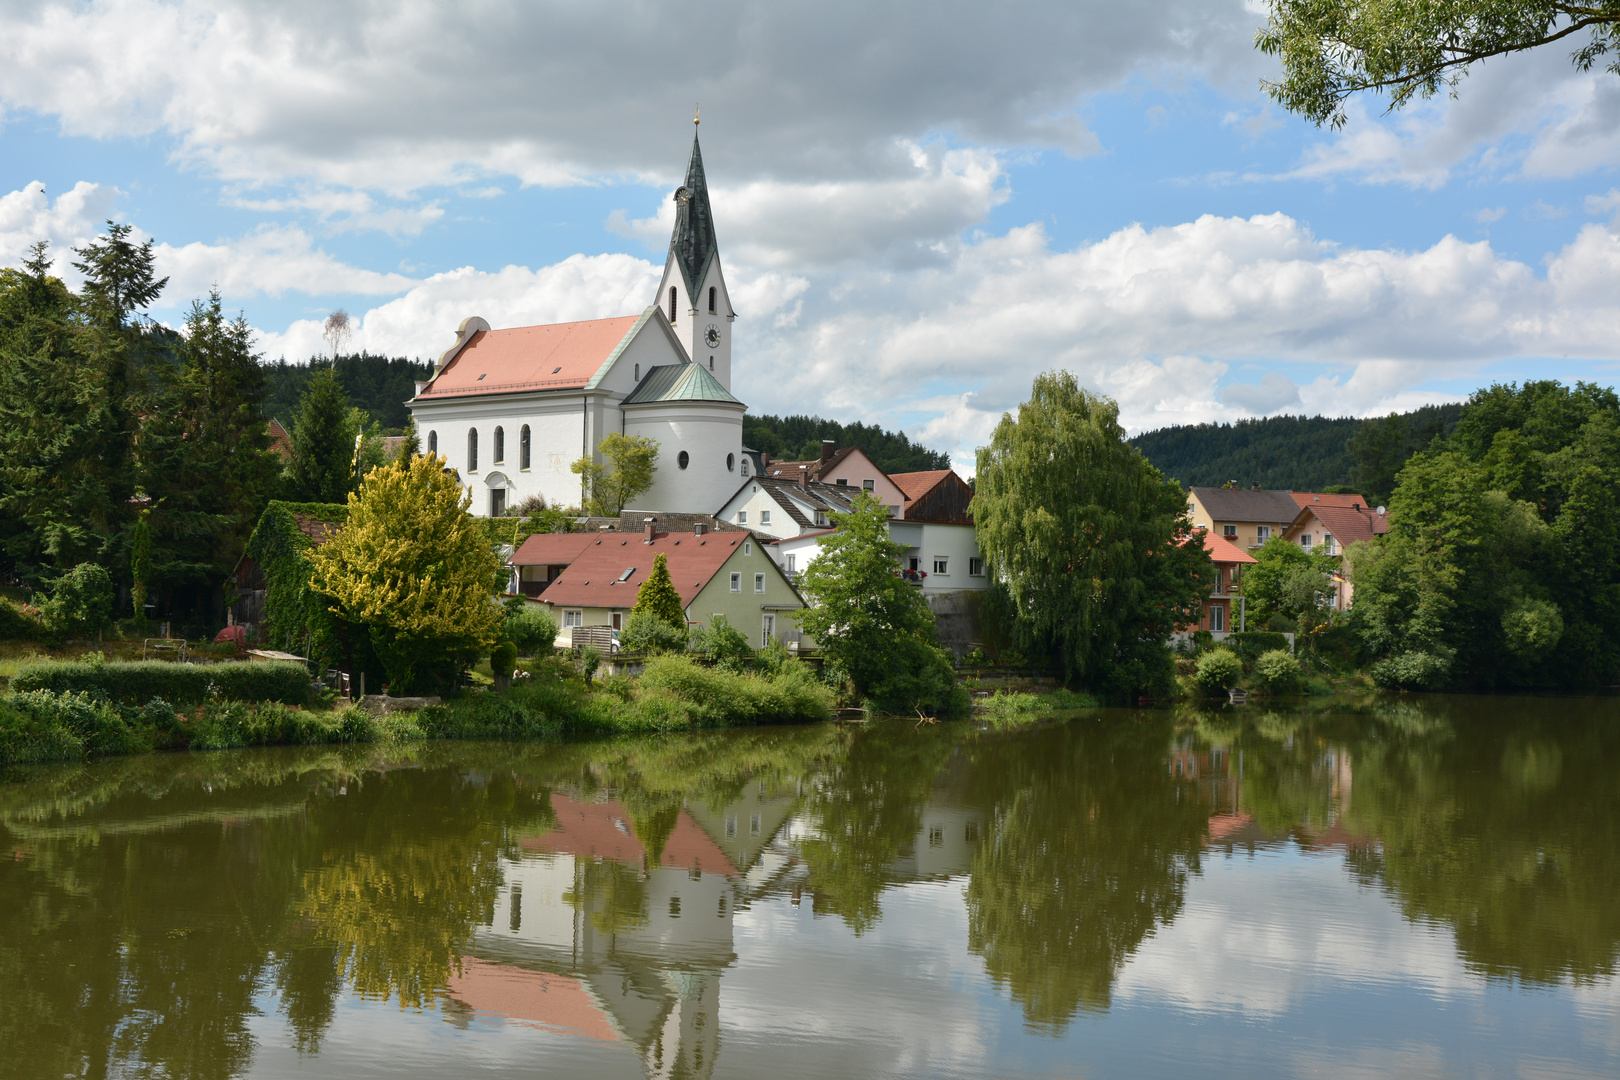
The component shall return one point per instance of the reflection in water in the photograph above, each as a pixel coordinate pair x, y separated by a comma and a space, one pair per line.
602, 894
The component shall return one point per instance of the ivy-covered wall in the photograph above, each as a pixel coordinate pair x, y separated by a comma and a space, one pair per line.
296, 619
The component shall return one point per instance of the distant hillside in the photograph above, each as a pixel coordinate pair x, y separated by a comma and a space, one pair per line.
378, 384
1300, 453
798, 438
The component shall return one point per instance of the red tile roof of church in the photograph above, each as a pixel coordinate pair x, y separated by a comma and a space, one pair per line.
557, 356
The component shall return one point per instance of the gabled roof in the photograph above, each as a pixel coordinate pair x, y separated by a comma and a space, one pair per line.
280, 441
791, 496
789, 470
596, 577
542, 549
1322, 498
693, 245
1222, 550
557, 356
1347, 524
1246, 504
917, 484
606, 830
678, 382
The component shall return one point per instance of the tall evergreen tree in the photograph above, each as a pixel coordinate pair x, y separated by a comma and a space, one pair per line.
323, 437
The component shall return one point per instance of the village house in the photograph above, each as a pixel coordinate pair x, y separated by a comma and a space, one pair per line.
848, 468
1218, 615
1247, 517
511, 410
778, 507
591, 580
1331, 524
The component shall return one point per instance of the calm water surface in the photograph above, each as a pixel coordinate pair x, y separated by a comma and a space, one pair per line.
1415, 888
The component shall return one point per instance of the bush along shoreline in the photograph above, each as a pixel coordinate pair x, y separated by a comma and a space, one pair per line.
72, 711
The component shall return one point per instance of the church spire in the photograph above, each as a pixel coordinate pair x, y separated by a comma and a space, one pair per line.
693, 245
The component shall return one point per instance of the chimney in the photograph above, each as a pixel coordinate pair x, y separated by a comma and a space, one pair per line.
649, 530
699, 528
804, 476
827, 450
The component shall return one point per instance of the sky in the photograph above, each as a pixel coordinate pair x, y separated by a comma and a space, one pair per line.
919, 207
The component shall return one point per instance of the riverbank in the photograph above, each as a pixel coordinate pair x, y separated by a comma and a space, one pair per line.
54, 717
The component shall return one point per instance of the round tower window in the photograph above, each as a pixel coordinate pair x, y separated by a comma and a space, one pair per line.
682, 458
731, 462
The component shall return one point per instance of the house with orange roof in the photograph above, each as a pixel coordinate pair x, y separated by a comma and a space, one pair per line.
511, 409
1229, 559
849, 467
1331, 524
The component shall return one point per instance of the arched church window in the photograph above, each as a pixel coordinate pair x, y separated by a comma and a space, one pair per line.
731, 462
500, 446
711, 299
672, 303
682, 459
472, 450
433, 442
523, 447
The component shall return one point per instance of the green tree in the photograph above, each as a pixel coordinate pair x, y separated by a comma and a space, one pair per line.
1332, 50
1089, 539
412, 566
322, 467
1287, 580
870, 621
82, 602
140, 563
607, 486
657, 596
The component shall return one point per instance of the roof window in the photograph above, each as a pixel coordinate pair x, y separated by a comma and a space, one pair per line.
627, 574
553, 370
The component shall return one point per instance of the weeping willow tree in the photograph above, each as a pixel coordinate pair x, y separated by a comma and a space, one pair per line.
1088, 539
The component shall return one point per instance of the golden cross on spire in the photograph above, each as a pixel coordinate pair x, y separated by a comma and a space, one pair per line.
697, 116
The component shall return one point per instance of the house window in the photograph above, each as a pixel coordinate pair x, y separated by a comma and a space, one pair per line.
573, 618
711, 363
472, 450
913, 563
1264, 533
683, 459
939, 566
1230, 531
759, 583
975, 567
500, 446
748, 549
627, 575
742, 517
618, 620
1217, 619
767, 631
843, 481
764, 517
672, 303
792, 561
433, 442
736, 583
731, 462
868, 485
523, 447
1305, 541
821, 519
1330, 545
711, 299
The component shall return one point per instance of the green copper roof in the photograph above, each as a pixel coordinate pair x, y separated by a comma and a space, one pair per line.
679, 382
693, 244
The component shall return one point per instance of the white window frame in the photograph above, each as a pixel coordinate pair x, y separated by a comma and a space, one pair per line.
1217, 619
1305, 541
975, 566
791, 561
1263, 533
767, 630
736, 581
942, 566
759, 584
1330, 546
573, 618
742, 517
764, 517
868, 485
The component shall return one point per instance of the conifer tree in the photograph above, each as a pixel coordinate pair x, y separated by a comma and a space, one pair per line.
657, 596
322, 468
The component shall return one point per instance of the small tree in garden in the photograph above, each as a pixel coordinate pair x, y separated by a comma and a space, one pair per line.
82, 603
1218, 670
631, 461
413, 567
657, 596
869, 621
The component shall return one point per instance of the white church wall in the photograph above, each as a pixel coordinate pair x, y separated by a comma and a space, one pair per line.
709, 433
556, 439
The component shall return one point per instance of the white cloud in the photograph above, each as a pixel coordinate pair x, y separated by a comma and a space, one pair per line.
1490, 214
269, 261
29, 215
1274, 393
348, 210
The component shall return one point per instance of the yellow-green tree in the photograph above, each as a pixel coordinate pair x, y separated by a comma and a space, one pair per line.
413, 568
658, 597
626, 471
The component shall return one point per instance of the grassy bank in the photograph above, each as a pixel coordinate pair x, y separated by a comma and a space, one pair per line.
66, 712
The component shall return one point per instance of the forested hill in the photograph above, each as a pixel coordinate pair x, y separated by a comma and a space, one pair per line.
798, 438
1299, 453
378, 384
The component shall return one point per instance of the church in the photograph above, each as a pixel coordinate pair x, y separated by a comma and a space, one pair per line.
511, 410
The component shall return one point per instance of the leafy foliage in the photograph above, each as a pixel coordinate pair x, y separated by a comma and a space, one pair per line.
721, 644
296, 618
136, 682
82, 602
1218, 670
378, 385
626, 471
1288, 580
1332, 50
1089, 539
798, 438
414, 569
530, 627
870, 622
1277, 670
650, 635
657, 597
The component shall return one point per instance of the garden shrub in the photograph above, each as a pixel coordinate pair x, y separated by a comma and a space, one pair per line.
26, 739
91, 722
1277, 670
82, 602
714, 697
1411, 670
720, 644
650, 635
1250, 644
20, 623
1218, 670
530, 628
135, 682
503, 660
524, 712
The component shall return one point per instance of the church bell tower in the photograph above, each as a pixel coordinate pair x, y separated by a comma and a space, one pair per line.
692, 293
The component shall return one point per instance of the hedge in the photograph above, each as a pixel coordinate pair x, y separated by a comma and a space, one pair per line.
136, 682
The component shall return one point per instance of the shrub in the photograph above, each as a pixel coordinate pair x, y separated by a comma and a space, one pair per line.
1250, 644
82, 603
712, 697
1412, 670
530, 628
503, 660
649, 634
20, 623
1218, 669
523, 712
26, 739
92, 722
136, 682
1277, 670
721, 644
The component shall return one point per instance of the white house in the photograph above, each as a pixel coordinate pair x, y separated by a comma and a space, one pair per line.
783, 508
510, 410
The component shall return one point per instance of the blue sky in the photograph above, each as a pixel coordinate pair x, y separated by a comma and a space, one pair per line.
916, 215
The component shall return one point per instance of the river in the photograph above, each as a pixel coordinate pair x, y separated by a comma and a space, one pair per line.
1414, 887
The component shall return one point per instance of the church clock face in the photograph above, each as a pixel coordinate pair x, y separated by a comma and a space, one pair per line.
712, 336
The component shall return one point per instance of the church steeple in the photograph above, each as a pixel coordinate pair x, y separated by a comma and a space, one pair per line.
693, 244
